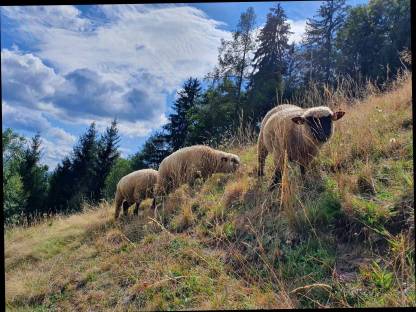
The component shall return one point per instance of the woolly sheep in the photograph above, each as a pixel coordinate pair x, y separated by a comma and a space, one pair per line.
300, 132
135, 187
189, 163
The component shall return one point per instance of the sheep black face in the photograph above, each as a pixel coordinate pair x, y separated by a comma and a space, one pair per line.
320, 127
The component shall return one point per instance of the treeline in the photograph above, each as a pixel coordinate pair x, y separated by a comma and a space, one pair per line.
31, 193
256, 69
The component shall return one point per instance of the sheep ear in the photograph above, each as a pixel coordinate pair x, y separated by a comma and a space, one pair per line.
337, 115
298, 120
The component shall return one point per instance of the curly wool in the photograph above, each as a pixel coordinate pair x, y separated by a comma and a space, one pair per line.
189, 163
278, 133
135, 187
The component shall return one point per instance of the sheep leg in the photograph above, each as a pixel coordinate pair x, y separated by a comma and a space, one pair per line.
118, 202
125, 208
262, 154
136, 208
277, 177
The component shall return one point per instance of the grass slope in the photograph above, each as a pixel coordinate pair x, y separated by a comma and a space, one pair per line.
342, 237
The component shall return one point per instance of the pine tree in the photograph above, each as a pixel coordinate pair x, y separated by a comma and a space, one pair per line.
61, 187
270, 62
177, 128
34, 180
84, 166
319, 40
106, 158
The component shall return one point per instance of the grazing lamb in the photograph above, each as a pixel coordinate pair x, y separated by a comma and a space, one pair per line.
135, 187
189, 163
300, 132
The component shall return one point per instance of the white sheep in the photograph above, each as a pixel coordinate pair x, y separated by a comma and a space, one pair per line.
300, 132
189, 163
135, 187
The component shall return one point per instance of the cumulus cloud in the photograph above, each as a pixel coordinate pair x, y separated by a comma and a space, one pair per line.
122, 61
60, 142
26, 79
298, 29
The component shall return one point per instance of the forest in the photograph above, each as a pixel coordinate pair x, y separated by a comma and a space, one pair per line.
257, 69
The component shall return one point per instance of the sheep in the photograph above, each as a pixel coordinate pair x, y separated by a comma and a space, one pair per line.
300, 132
135, 187
189, 163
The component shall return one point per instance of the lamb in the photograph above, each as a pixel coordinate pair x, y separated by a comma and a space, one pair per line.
135, 187
300, 132
189, 163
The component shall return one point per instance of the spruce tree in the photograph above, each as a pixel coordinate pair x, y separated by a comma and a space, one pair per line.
177, 128
270, 62
61, 187
34, 180
106, 158
319, 41
84, 166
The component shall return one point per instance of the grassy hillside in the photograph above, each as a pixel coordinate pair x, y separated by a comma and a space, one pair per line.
342, 237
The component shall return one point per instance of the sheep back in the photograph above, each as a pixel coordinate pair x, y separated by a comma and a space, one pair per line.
138, 185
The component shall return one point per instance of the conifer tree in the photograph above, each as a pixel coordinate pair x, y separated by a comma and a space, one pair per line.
234, 55
319, 41
106, 158
154, 150
270, 62
177, 128
34, 180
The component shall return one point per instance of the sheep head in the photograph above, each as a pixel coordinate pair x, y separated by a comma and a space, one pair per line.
318, 121
228, 163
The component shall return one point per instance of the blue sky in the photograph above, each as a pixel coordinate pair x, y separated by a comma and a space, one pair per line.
66, 66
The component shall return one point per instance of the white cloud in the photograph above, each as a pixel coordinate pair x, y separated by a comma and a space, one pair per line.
298, 29
56, 142
130, 57
26, 79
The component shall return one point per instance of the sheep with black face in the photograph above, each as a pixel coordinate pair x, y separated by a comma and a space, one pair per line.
300, 132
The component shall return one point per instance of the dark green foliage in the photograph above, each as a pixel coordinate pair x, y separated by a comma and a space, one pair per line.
106, 158
13, 194
61, 187
270, 63
153, 152
34, 181
319, 41
212, 119
177, 127
371, 39
82, 176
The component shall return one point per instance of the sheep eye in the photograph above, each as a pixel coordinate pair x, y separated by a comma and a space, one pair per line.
224, 158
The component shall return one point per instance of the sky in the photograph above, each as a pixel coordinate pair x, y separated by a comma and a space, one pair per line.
63, 67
